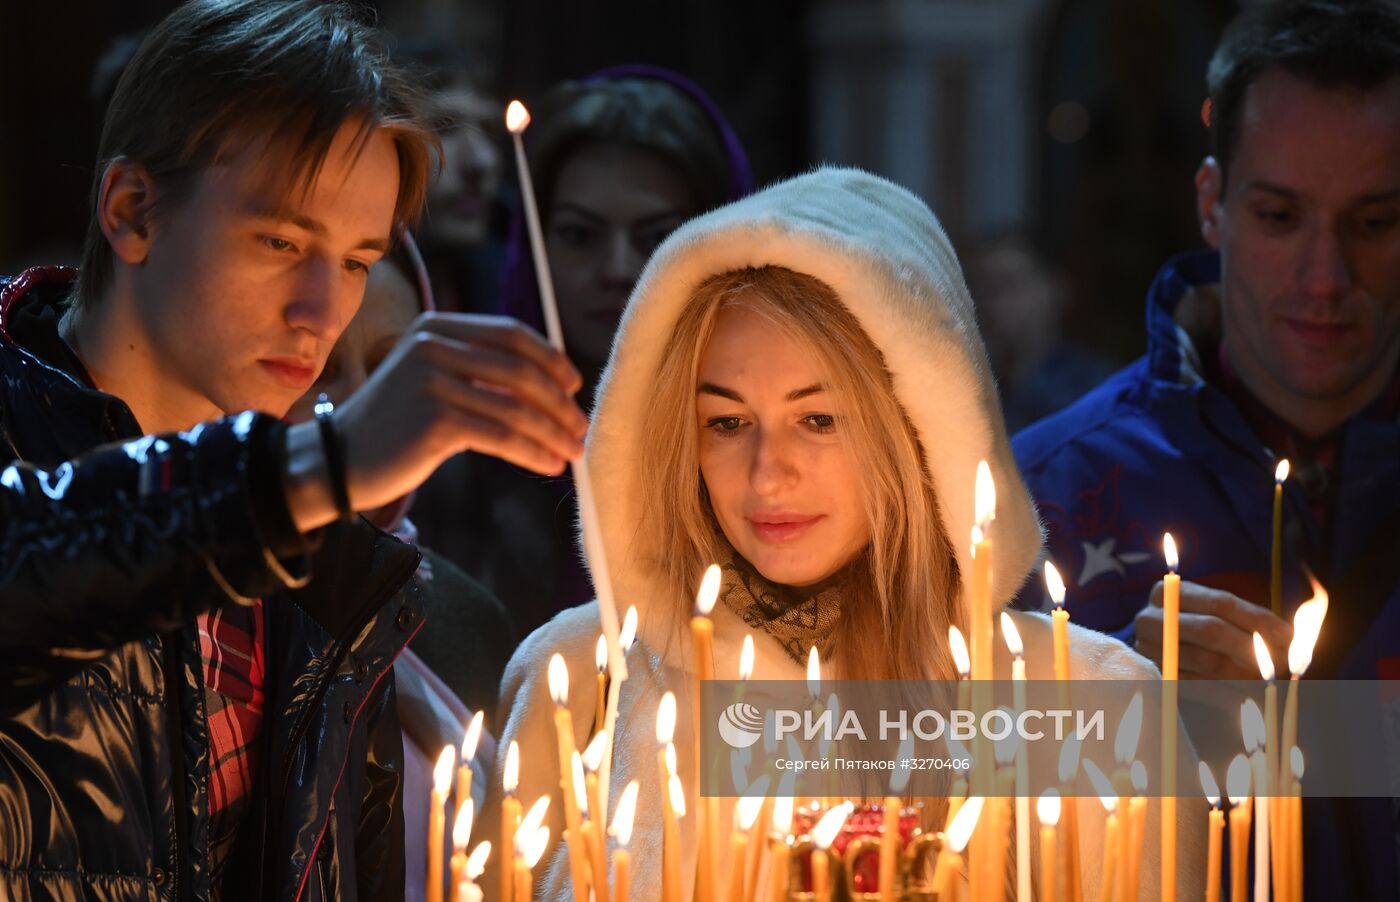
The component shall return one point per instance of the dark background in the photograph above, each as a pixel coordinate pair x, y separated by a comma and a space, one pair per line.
1103, 122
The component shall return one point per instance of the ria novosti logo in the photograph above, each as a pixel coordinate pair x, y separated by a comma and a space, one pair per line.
741, 725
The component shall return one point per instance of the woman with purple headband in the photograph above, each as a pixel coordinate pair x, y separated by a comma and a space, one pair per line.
619, 160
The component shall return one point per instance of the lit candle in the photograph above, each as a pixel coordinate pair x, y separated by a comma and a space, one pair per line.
622, 831
672, 811
437, 816
779, 869
1237, 786
467, 889
1069, 774
1171, 620
702, 631
564, 732
670, 851
587, 847
1047, 808
600, 661
530, 841
1307, 625
1217, 829
1023, 780
985, 511
823, 835
746, 813
1295, 825
597, 844
461, 835
464, 769
1125, 744
517, 120
1137, 816
890, 840
510, 818
1112, 843
955, 839
1276, 556
1271, 749
958, 646
998, 820
1252, 725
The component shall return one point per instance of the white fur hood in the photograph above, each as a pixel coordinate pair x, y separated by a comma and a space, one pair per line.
884, 254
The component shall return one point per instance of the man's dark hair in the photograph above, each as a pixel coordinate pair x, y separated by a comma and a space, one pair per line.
1329, 43
218, 76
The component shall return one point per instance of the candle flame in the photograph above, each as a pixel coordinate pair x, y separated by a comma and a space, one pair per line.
709, 591
677, 795
1055, 585
1047, 807
961, 660
1069, 759
1138, 774
1237, 780
824, 833
625, 814
600, 654
1102, 785
462, 826
782, 815
814, 673
666, 718
1125, 741
1307, 625
476, 861
533, 818
517, 117
535, 848
746, 658
473, 737
977, 537
960, 830
1252, 725
1209, 786
1295, 762
628, 634
671, 758
1281, 471
747, 810
442, 771
558, 680
593, 755
985, 496
1263, 658
1169, 551
580, 787
510, 780
1012, 636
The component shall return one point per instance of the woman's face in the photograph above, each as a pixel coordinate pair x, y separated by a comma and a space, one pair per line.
612, 206
388, 310
781, 481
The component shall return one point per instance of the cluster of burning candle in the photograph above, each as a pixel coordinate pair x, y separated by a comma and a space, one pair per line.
584, 775
464, 869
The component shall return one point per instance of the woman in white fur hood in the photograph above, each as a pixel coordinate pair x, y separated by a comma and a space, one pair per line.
798, 391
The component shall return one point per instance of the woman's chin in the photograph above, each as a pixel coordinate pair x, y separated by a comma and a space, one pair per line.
784, 571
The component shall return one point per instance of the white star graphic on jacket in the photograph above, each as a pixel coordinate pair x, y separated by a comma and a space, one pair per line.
1102, 558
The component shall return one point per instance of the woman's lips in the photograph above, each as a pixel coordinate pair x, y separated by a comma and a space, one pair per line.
292, 374
780, 528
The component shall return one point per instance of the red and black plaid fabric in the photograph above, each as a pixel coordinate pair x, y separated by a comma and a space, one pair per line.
231, 646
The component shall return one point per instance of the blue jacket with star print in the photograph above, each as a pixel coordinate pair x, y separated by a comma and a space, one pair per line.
1157, 448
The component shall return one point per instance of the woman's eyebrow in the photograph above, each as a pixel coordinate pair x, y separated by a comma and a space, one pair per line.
709, 388
815, 388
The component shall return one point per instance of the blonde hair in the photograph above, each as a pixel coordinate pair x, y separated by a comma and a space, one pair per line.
904, 590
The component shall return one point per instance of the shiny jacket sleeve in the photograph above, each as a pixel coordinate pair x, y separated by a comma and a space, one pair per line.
379, 851
134, 539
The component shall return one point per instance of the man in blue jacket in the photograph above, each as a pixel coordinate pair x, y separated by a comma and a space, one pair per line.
196, 659
1282, 342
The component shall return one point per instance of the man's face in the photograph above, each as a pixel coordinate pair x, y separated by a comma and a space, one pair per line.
1309, 233
243, 294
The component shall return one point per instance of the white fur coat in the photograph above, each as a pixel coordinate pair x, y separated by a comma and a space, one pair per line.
886, 257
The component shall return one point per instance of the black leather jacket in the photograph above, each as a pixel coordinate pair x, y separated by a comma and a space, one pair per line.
106, 557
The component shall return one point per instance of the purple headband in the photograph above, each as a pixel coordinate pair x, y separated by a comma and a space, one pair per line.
520, 294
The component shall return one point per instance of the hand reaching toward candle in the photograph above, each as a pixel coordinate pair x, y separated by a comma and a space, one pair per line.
1216, 633
455, 382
